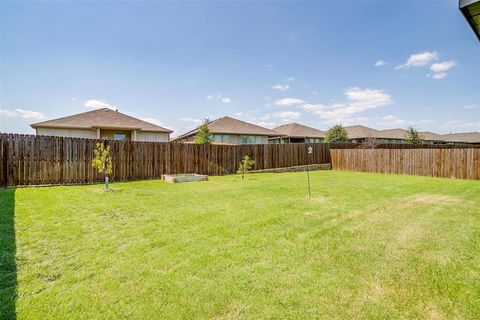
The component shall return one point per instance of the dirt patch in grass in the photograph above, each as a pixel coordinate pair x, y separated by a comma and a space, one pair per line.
377, 291
102, 190
434, 198
232, 311
319, 199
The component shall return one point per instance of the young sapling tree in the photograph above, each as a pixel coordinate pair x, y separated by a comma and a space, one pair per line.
412, 136
103, 161
245, 165
203, 135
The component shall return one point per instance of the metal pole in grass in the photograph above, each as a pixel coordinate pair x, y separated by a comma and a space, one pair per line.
309, 151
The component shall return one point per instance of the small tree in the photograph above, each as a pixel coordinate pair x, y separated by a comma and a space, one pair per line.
103, 161
245, 165
412, 136
203, 135
337, 133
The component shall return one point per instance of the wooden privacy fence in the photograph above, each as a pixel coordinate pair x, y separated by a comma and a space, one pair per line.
42, 160
461, 163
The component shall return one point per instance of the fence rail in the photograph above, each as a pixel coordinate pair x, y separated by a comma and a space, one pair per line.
45, 160
460, 163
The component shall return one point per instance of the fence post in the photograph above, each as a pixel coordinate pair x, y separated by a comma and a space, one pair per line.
4, 148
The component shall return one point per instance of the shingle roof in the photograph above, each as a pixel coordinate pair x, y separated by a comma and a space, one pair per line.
393, 133
100, 118
427, 135
470, 137
229, 125
298, 130
356, 132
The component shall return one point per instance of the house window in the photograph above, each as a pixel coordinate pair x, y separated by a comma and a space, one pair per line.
119, 136
222, 138
250, 139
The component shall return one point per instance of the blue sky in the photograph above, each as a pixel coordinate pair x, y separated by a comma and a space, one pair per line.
382, 64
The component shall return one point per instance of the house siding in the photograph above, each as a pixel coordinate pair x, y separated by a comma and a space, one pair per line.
72, 133
152, 136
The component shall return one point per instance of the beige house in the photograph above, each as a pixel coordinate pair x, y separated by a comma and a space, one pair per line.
358, 134
103, 124
464, 137
297, 133
228, 130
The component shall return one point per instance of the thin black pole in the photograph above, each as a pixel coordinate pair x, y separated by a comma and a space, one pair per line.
308, 173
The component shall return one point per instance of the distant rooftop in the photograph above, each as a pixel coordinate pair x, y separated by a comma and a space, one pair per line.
299, 131
228, 125
101, 118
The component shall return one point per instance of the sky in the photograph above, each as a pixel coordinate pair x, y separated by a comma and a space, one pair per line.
387, 64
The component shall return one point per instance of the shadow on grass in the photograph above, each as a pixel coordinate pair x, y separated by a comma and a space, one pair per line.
8, 268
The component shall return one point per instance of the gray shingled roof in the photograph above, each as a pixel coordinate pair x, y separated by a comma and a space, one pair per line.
228, 125
299, 130
469, 137
100, 118
357, 132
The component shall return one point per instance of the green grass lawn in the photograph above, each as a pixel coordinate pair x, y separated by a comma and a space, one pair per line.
365, 246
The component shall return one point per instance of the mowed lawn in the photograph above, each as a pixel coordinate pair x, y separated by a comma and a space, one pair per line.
365, 246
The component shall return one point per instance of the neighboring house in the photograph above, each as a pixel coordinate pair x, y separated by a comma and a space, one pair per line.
297, 133
358, 134
228, 130
466, 137
103, 124
471, 12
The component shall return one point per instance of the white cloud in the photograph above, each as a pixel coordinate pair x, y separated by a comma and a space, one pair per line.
439, 69
268, 124
471, 106
443, 66
438, 76
98, 104
153, 120
191, 120
8, 113
21, 113
380, 63
288, 102
281, 87
391, 120
458, 124
359, 100
419, 59
156, 122
367, 98
218, 96
287, 115
290, 79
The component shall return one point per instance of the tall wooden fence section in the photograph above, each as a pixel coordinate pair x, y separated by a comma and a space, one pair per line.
41, 160
460, 163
